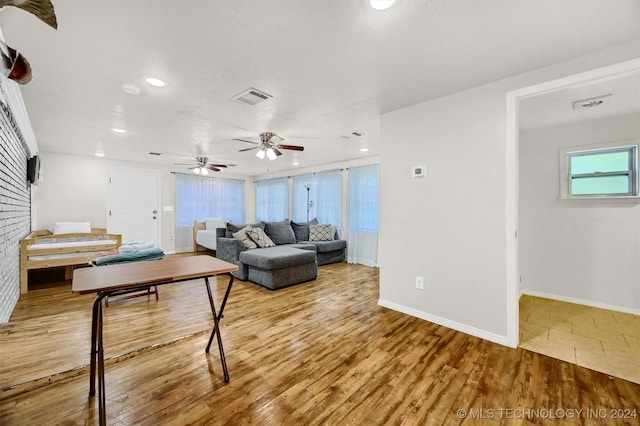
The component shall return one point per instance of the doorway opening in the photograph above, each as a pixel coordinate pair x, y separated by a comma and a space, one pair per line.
557, 240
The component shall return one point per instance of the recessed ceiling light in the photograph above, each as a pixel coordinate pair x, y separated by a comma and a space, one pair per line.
364, 149
99, 154
381, 4
295, 163
118, 130
156, 82
131, 89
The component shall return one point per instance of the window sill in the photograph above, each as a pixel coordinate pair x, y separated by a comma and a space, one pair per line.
622, 198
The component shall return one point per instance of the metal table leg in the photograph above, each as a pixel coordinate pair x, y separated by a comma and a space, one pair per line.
101, 380
221, 312
216, 330
97, 356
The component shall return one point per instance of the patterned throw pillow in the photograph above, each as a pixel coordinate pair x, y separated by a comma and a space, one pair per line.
321, 232
243, 235
260, 238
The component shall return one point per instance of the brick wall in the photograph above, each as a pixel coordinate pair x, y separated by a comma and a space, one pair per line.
15, 210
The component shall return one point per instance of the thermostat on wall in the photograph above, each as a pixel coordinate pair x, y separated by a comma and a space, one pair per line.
419, 171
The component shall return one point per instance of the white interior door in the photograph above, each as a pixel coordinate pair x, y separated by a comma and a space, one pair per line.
134, 204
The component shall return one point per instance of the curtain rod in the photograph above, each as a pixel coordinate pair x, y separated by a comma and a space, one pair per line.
301, 174
364, 165
209, 177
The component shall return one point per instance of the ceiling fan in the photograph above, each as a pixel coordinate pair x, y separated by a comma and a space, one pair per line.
202, 166
269, 146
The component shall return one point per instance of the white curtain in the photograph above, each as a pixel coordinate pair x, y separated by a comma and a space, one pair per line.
202, 197
363, 215
325, 197
300, 197
272, 200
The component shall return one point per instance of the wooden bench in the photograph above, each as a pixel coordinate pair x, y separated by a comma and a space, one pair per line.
42, 249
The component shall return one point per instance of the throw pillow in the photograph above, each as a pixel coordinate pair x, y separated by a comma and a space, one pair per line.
243, 235
301, 229
70, 228
231, 228
280, 232
321, 232
260, 238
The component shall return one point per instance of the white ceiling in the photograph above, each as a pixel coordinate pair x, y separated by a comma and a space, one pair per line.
332, 67
556, 108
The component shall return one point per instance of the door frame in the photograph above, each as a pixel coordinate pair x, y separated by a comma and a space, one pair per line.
159, 194
513, 175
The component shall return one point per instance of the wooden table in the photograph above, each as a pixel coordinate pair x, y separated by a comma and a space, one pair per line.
124, 278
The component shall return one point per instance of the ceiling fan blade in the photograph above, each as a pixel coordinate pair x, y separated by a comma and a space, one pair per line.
277, 151
292, 147
244, 140
183, 164
215, 169
224, 166
275, 139
249, 149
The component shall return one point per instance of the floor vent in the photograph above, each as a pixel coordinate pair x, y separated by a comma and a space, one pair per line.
252, 96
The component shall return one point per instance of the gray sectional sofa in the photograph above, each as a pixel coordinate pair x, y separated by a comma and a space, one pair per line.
293, 260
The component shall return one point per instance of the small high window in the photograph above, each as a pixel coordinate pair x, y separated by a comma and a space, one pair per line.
608, 172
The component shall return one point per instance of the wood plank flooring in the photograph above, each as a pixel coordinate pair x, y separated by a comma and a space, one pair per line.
322, 352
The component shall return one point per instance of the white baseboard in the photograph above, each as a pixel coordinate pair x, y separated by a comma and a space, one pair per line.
581, 302
483, 334
169, 252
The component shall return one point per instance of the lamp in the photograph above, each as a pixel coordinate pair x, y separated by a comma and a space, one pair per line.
260, 154
200, 171
308, 186
271, 154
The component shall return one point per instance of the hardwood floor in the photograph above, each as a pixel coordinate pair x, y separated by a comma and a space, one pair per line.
322, 352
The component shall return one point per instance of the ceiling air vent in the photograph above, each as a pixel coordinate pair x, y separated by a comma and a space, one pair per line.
352, 135
591, 102
251, 96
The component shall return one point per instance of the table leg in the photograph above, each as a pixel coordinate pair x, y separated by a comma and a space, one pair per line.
221, 312
97, 356
96, 315
101, 380
216, 331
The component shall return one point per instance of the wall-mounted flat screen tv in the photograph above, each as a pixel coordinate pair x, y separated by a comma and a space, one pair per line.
33, 170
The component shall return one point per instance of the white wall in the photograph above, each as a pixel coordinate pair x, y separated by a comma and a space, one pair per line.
450, 227
582, 250
74, 188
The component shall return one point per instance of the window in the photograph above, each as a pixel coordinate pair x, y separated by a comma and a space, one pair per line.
272, 200
199, 197
608, 172
364, 198
325, 197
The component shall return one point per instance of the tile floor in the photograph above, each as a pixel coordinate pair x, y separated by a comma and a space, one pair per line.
599, 339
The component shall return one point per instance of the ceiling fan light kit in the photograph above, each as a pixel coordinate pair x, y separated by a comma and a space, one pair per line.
202, 166
269, 146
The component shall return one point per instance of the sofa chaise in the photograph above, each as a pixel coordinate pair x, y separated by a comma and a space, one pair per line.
293, 258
